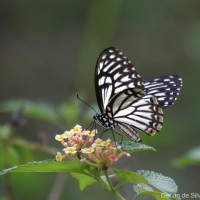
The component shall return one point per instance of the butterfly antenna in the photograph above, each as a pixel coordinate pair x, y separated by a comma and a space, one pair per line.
85, 103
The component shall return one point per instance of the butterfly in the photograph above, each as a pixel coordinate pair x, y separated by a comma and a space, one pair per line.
128, 103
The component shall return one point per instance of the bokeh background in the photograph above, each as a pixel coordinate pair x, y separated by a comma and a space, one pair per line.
48, 51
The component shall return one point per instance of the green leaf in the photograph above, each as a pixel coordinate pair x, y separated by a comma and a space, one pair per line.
52, 166
84, 180
146, 179
162, 183
129, 176
39, 109
132, 147
156, 195
190, 158
141, 187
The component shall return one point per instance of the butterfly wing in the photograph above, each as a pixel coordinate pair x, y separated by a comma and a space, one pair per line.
132, 110
113, 74
127, 102
165, 88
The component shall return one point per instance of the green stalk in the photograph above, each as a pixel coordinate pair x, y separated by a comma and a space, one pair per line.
111, 188
7, 181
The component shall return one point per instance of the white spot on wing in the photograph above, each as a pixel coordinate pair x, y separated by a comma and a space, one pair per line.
125, 79
133, 76
117, 75
103, 57
117, 84
112, 56
107, 95
161, 98
117, 90
153, 85
108, 66
126, 70
125, 62
160, 94
102, 80
108, 80
131, 85
100, 65
115, 68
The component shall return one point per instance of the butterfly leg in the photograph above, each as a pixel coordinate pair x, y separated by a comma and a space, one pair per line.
122, 136
112, 131
104, 132
91, 125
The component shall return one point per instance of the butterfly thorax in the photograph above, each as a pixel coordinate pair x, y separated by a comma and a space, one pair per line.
105, 121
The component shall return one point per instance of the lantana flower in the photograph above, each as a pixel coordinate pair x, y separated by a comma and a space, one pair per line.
82, 144
104, 154
74, 140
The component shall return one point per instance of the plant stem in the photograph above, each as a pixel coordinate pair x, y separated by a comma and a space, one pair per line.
111, 188
57, 189
8, 187
7, 180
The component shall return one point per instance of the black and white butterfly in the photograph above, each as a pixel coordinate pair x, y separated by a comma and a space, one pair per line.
125, 101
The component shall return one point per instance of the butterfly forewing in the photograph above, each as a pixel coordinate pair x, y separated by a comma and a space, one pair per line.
165, 88
114, 73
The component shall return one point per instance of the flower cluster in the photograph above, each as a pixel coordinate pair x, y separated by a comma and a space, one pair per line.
103, 153
82, 144
73, 141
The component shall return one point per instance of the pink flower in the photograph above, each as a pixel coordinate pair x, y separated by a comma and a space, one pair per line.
104, 154
82, 144
74, 140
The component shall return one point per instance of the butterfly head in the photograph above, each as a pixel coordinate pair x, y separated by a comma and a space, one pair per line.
104, 121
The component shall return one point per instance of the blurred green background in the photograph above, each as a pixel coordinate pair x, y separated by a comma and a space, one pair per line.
48, 51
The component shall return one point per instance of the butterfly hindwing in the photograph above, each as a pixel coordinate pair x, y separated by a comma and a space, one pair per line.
142, 113
130, 131
165, 88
